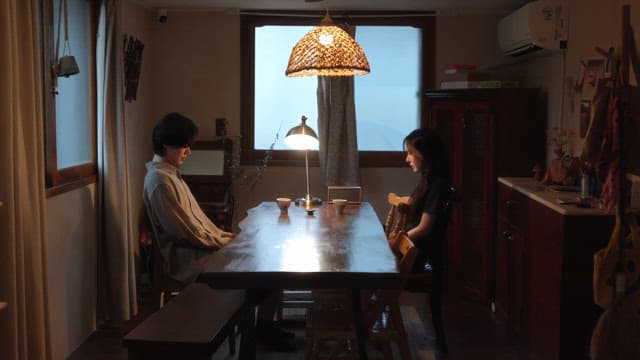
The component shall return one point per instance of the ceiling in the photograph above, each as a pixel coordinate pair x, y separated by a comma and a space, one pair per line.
440, 6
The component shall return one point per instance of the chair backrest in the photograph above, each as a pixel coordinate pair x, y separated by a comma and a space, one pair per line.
398, 212
396, 216
162, 283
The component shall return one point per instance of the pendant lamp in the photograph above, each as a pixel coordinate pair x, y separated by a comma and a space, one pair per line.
327, 50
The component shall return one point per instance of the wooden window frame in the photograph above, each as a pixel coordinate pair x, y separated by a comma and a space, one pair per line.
251, 156
60, 180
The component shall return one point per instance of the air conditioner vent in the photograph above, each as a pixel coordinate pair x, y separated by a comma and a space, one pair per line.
537, 25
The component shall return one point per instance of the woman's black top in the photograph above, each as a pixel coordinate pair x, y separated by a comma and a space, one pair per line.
434, 202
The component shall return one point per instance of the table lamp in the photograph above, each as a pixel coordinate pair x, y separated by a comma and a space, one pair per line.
302, 137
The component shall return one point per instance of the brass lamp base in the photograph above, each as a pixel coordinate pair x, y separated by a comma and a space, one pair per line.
314, 201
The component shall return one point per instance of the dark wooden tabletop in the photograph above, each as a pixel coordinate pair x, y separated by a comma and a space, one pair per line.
301, 251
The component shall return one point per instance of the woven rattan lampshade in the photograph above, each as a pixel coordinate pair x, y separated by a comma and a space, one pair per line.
327, 50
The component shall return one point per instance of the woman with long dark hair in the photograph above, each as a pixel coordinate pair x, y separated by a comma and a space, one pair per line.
428, 217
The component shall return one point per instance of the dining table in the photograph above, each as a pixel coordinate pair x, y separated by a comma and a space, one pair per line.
303, 248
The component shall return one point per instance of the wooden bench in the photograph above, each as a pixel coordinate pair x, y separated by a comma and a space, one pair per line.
192, 325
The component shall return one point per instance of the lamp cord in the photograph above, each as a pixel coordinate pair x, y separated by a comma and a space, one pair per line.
66, 45
58, 34
306, 165
63, 12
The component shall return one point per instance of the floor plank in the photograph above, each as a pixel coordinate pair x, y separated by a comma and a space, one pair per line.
472, 333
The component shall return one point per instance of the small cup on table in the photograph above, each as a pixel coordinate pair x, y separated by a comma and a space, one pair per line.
339, 205
283, 204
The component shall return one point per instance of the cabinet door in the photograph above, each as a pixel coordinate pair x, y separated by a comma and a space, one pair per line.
510, 287
517, 283
443, 115
443, 118
465, 127
502, 271
546, 284
473, 177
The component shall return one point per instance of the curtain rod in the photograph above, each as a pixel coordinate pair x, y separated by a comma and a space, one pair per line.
337, 14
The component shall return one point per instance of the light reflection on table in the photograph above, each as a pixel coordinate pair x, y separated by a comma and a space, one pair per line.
299, 253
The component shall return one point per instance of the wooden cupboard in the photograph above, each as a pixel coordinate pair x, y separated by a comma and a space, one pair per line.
544, 267
487, 133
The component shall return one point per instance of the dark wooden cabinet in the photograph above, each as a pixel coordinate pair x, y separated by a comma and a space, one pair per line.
207, 172
487, 133
544, 269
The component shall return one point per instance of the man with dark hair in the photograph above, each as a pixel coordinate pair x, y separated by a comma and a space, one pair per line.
184, 233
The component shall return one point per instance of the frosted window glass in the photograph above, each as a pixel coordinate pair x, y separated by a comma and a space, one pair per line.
280, 101
73, 113
388, 98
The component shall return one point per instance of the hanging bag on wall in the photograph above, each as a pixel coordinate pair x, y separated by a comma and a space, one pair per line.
67, 64
605, 263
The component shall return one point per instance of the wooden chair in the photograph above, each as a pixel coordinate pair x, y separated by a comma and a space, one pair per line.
396, 217
383, 318
430, 279
163, 286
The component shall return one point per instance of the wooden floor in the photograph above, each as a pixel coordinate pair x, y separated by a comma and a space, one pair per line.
472, 333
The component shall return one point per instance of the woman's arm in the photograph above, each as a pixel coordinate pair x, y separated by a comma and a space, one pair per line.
432, 204
423, 228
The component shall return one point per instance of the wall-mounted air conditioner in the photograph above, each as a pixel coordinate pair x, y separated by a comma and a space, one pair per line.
537, 25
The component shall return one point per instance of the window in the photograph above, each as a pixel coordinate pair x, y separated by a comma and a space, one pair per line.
388, 100
70, 114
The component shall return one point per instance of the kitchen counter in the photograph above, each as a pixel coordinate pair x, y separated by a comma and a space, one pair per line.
536, 191
544, 268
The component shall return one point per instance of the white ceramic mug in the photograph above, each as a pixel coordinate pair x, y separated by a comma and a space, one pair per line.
339, 205
283, 204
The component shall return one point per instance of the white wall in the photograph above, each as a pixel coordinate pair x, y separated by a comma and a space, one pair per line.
467, 39
194, 61
71, 248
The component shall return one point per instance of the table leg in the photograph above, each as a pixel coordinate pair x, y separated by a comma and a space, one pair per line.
248, 328
359, 323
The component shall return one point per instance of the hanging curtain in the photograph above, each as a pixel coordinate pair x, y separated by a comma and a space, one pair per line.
338, 153
24, 322
116, 258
